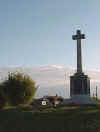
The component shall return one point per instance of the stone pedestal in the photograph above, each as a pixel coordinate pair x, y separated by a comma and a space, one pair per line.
80, 100
79, 84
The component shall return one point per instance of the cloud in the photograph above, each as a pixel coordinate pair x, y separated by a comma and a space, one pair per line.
52, 79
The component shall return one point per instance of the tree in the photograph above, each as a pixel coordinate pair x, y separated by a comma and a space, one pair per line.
19, 88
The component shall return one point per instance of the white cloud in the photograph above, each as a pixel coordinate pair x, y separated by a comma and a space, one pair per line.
51, 78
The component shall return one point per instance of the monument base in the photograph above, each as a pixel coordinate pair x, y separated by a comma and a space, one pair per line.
83, 100
79, 84
80, 100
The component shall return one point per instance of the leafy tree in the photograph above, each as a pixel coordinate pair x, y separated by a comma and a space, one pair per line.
19, 88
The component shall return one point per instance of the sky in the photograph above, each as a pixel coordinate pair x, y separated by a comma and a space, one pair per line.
39, 32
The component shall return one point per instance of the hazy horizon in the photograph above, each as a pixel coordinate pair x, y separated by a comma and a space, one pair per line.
52, 80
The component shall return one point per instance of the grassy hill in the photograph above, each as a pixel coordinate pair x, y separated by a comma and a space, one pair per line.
63, 119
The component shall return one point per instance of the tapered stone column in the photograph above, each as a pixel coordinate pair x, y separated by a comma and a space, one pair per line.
79, 56
78, 37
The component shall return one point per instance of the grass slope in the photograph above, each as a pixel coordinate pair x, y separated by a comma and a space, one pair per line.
62, 119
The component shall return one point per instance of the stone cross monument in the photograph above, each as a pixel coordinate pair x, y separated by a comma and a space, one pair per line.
79, 82
78, 37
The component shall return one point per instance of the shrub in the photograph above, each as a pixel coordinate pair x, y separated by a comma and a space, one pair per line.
3, 97
19, 88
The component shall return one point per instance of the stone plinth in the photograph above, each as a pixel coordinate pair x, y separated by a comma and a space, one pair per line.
79, 84
83, 100
79, 100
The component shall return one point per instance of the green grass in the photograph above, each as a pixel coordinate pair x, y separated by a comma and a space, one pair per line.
62, 119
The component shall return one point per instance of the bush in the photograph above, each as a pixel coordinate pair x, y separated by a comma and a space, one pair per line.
3, 97
19, 88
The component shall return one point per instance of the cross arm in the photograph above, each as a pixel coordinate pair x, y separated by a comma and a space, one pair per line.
75, 37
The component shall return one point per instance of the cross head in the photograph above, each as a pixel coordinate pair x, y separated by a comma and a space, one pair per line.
78, 35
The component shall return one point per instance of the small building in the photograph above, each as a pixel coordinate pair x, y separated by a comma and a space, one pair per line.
55, 100
48, 101
41, 102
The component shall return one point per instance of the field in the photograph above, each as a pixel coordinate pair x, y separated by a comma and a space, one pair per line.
62, 119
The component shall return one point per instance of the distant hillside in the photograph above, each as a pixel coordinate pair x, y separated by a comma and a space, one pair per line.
52, 79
